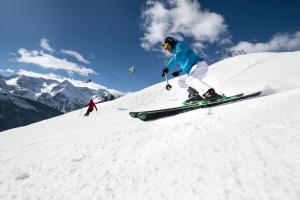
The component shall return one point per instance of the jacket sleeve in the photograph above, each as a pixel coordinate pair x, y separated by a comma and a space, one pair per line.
179, 56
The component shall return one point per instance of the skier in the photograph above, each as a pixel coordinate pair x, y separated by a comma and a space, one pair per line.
91, 106
191, 64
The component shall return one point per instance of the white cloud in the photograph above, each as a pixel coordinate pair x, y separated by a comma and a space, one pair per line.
48, 61
45, 45
279, 42
9, 70
226, 41
71, 73
39, 75
75, 54
180, 18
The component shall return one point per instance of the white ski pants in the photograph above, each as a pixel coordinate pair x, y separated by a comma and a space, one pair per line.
194, 78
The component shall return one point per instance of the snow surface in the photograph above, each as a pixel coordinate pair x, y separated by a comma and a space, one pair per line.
246, 150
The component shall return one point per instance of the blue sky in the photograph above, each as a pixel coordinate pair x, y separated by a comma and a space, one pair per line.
73, 38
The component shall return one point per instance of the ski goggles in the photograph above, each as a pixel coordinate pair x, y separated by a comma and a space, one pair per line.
164, 45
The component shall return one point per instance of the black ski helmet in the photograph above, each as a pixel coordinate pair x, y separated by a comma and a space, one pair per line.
169, 40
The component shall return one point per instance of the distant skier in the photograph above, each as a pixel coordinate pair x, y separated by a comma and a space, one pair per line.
191, 64
91, 106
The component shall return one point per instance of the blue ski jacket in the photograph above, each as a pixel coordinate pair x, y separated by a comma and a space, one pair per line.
184, 56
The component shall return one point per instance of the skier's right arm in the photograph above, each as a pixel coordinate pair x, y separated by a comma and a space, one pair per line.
165, 71
179, 56
172, 62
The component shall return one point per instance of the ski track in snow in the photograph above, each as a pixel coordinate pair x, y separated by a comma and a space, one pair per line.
245, 150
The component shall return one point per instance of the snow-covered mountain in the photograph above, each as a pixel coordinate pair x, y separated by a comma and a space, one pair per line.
59, 94
3, 85
245, 150
17, 111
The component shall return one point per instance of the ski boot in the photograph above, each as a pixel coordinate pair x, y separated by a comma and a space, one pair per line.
211, 95
193, 97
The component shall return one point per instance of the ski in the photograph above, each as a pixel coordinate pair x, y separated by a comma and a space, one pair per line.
156, 114
135, 114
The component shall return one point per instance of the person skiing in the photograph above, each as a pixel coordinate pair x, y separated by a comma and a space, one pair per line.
91, 106
191, 64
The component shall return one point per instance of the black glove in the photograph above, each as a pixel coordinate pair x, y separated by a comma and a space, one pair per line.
164, 71
175, 74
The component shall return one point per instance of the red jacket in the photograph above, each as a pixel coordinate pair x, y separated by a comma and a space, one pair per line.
91, 105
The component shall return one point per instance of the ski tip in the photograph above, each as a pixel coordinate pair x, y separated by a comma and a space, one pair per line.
142, 117
134, 114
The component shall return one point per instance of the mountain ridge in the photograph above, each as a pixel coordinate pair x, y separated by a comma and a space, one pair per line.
58, 94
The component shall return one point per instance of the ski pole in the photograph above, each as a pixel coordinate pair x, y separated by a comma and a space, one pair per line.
168, 86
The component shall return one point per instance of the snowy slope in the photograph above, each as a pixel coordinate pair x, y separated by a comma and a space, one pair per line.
245, 150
